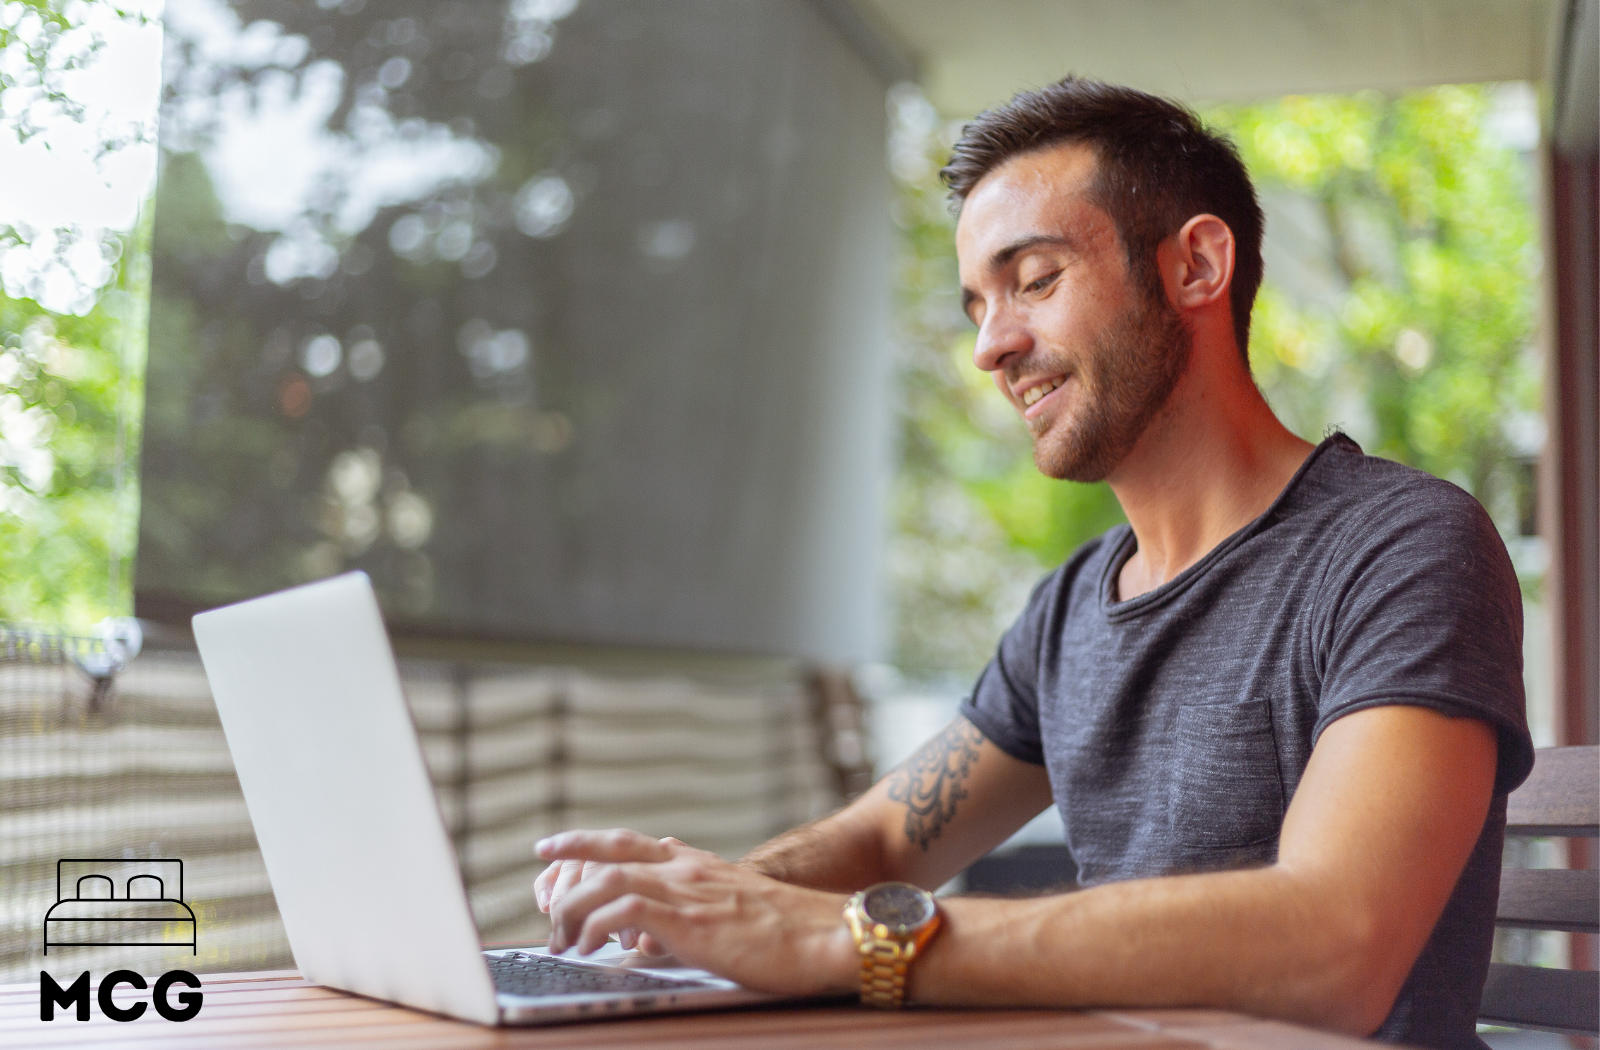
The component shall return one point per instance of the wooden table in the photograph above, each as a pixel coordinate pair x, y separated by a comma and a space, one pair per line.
279, 1009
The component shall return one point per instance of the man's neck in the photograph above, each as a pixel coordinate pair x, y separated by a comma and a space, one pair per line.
1211, 463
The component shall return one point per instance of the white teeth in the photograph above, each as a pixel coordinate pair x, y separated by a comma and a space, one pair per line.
1031, 395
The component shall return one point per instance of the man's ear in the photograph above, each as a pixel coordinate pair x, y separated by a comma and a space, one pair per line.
1197, 263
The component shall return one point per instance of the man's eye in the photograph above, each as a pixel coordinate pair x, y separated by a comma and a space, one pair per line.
1039, 284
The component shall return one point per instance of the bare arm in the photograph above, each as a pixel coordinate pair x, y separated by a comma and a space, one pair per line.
951, 802
1383, 821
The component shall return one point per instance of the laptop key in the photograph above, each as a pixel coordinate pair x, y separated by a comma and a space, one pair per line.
516, 973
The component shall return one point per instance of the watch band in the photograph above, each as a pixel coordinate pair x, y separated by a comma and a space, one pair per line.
883, 973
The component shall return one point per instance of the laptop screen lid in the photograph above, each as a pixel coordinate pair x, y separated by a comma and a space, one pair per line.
365, 876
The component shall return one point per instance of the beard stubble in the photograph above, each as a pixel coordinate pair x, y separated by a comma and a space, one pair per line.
1134, 366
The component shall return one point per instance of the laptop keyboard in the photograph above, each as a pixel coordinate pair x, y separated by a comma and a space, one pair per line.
516, 973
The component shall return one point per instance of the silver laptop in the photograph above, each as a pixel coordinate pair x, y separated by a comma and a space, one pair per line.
355, 847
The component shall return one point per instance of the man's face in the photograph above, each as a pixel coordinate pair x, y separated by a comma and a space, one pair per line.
1085, 353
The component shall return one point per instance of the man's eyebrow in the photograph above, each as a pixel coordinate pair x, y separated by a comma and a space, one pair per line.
1002, 257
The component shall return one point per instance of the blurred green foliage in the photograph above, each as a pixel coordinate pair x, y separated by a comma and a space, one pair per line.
71, 384
1434, 247
71, 388
1398, 306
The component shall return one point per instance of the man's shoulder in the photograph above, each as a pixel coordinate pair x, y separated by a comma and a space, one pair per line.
1396, 537
1370, 494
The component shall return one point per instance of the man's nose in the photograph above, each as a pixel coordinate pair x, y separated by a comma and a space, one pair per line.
1001, 335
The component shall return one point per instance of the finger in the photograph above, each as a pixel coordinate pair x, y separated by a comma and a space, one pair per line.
650, 945
629, 910
544, 882
600, 887
634, 939
617, 845
571, 873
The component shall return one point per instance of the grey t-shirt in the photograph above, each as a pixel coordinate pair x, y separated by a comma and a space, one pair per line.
1176, 726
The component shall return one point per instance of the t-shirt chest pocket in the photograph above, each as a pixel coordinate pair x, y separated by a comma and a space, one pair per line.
1225, 791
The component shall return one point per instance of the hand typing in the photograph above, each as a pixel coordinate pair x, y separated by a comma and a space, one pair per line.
692, 904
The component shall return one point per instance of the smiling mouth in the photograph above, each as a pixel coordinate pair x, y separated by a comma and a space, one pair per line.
1035, 393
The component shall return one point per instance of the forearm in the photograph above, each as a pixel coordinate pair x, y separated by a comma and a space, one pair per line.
839, 852
1263, 941
951, 802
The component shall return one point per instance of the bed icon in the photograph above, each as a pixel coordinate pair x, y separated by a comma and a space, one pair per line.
121, 902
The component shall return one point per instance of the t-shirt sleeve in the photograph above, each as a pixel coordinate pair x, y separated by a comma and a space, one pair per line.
1421, 606
1004, 705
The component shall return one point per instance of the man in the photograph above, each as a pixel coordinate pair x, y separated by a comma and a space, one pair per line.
1278, 713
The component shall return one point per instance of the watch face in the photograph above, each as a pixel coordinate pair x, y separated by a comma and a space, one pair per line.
898, 905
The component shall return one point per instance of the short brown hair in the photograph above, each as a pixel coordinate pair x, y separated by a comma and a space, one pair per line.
1158, 166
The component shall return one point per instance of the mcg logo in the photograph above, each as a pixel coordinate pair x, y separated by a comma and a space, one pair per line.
125, 903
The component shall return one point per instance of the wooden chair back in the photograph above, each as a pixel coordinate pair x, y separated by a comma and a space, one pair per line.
1561, 798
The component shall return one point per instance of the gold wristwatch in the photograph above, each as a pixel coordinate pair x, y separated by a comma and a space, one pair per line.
892, 922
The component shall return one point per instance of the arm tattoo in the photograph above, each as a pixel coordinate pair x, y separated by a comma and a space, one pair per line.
930, 782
